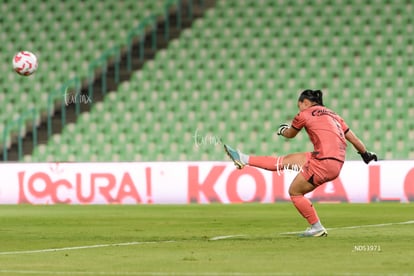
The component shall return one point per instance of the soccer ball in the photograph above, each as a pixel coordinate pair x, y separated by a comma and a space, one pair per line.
25, 63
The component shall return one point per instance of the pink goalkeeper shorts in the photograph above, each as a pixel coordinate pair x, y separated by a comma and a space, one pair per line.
318, 171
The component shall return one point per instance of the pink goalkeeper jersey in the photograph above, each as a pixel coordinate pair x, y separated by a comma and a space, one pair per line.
326, 130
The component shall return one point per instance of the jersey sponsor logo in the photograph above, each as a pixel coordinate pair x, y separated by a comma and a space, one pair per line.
320, 112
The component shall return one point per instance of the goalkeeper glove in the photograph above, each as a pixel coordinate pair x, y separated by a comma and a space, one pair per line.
282, 129
368, 156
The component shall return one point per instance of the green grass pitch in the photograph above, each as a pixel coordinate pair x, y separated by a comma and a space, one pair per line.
213, 239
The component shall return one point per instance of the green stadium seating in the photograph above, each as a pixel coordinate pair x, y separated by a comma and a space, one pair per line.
236, 74
66, 36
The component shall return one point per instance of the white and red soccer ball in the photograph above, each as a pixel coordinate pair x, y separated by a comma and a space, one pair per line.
25, 63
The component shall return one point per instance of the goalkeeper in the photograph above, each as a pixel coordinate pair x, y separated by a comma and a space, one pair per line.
328, 133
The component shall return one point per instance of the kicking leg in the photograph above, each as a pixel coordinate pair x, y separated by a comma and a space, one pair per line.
293, 161
271, 163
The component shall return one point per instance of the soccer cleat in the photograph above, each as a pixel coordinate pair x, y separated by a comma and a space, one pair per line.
312, 232
235, 156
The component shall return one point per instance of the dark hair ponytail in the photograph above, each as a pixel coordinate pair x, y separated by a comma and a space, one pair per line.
312, 95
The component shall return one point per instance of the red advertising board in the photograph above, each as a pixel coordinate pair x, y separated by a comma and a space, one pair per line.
193, 182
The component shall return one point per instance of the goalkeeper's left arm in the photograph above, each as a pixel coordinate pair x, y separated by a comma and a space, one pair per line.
360, 147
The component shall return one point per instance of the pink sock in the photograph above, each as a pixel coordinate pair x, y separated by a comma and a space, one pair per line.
266, 162
305, 208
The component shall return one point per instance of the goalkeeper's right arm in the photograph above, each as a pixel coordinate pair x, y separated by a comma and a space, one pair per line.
287, 131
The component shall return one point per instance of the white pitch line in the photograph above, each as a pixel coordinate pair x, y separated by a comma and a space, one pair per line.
104, 245
225, 237
80, 247
211, 239
356, 227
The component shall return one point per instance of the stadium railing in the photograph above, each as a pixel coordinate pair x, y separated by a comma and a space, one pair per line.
31, 115
59, 97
